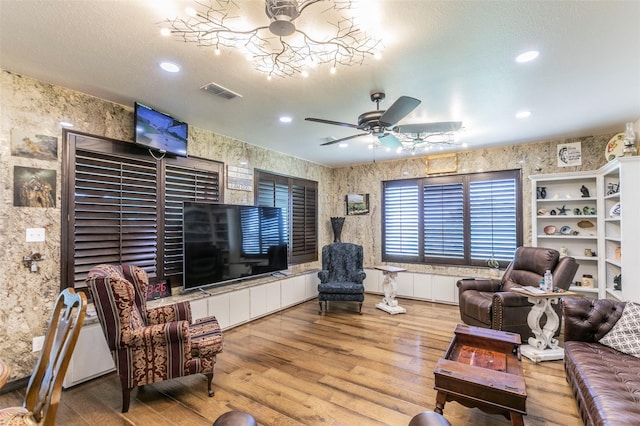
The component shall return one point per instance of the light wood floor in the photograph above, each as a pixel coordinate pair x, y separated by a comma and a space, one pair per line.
300, 368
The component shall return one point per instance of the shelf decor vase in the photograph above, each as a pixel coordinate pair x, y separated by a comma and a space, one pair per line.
336, 225
541, 192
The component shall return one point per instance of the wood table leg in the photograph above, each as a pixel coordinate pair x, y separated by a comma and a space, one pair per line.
516, 419
441, 399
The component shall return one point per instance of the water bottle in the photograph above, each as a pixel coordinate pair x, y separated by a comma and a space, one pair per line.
548, 281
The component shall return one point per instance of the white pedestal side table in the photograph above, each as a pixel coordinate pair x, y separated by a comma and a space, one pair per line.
543, 347
390, 286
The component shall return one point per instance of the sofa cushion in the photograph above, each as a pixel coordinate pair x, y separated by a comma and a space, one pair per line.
625, 334
605, 382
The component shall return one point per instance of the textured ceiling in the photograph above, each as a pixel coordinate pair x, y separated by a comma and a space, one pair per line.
455, 56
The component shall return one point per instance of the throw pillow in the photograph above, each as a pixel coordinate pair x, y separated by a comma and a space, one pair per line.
625, 334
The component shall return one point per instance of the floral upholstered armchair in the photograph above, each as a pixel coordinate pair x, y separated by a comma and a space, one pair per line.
341, 275
155, 344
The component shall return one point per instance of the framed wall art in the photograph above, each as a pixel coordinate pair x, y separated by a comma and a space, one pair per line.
357, 204
34, 187
31, 145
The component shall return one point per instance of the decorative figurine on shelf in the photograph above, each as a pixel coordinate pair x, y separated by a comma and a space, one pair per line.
562, 211
541, 192
629, 141
577, 211
585, 191
617, 282
612, 188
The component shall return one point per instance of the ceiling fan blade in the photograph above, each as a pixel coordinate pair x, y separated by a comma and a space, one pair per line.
335, 123
390, 141
343, 139
398, 110
440, 127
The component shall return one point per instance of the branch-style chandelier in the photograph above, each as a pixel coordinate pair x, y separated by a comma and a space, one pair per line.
279, 48
415, 143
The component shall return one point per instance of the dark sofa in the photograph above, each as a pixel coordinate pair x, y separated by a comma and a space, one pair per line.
605, 382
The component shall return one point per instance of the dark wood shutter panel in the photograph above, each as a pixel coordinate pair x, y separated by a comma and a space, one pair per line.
303, 221
298, 200
115, 207
183, 183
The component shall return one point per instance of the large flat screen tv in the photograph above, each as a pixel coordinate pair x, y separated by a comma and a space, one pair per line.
160, 132
224, 242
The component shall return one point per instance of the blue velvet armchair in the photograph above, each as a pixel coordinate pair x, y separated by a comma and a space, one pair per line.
341, 275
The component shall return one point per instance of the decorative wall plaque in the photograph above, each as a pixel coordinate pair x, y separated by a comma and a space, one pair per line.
442, 163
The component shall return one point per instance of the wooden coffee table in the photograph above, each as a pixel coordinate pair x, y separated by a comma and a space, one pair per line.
482, 368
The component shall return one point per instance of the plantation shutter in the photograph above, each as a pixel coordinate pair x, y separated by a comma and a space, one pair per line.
115, 206
298, 200
124, 206
185, 180
401, 225
443, 220
304, 213
273, 191
493, 218
457, 219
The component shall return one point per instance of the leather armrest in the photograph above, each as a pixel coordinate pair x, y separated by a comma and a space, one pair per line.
480, 284
510, 299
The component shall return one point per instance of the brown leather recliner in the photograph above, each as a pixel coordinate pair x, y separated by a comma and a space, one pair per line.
489, 303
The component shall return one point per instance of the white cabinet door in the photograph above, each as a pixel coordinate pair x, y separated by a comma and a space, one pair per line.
293, 291
405, 284
199, 309
265, 299
258, 301
239, 307
273, 296
444, 288
373, 281
219, 308
312, 281
422, 287
91, 356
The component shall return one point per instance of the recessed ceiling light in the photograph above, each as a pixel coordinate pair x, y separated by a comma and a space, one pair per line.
165, 32
66, 124
527, 56
305, 73
343, 145
523, 114
285, 119
169, 67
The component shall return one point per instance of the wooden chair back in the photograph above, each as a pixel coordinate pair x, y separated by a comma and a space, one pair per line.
45, 385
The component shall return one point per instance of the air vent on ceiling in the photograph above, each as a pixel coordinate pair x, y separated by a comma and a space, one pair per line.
220, 91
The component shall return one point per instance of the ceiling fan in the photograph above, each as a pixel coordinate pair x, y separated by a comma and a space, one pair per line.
384, 123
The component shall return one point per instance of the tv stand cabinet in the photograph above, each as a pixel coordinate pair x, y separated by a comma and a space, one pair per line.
232, 305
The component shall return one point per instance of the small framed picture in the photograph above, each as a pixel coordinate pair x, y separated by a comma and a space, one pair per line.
357, 204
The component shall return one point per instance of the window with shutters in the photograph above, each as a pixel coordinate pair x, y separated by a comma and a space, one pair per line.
461, 219
124, 206
298, 200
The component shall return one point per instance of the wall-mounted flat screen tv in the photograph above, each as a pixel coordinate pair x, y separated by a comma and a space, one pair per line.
160, 132
224, 242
